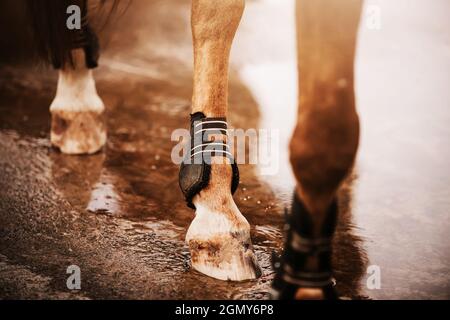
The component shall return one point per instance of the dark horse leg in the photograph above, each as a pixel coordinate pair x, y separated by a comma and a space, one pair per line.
77, 110
323, 146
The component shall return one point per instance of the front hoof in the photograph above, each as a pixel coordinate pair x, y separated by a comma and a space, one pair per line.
224, 257
222, 249
78, 132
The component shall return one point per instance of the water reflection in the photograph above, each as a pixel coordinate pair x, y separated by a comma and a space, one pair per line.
75, 176
350, 257
104, 199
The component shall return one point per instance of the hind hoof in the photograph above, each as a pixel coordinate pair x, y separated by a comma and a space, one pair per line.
78, 132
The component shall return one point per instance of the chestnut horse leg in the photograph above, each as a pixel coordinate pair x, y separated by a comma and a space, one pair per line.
219, 236
323, 145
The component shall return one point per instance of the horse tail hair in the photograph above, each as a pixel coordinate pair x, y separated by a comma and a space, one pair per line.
51, 36
53, 40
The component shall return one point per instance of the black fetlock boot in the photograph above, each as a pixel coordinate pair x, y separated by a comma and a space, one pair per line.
306, 259
196, 168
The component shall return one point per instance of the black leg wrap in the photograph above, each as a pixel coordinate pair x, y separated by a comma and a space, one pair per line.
195, 171
86, 39
91, 47
306, 259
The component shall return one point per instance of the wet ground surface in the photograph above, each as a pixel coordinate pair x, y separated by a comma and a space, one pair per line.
119, 214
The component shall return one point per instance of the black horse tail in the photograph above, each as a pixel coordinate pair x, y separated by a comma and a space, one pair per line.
54, 41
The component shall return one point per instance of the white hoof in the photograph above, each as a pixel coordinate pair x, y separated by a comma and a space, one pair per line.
220, 245
78, 132
78, 124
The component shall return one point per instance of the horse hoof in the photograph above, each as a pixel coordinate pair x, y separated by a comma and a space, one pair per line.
309, 294
220, 246
78, 132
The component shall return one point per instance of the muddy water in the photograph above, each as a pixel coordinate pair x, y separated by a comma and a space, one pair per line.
119, 214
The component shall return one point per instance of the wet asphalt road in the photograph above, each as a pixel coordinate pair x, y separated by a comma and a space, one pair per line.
119, 214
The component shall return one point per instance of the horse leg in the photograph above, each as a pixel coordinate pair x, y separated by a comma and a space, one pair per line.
219, 236
323, 145
77, 110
